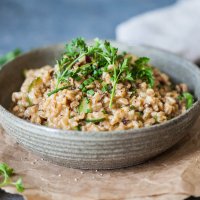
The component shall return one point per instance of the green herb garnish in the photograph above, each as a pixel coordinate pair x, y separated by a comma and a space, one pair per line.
6, 172
58, 89
95, 120
30, 103
104, 111
188, 98
37, 81
96, 59
132, 107
84, 106
105, 87
143, 71
156, 118
78, 128
90, 92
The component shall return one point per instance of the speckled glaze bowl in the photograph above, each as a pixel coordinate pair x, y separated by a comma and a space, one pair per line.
98, 150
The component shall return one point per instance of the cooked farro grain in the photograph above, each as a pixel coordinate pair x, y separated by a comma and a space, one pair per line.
99, 103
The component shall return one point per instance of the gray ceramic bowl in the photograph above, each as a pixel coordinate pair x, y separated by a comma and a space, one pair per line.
98, 150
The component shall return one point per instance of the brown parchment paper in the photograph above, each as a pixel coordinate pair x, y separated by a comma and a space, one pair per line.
174, 175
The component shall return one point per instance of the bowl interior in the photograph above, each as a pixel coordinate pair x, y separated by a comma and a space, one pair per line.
11, 76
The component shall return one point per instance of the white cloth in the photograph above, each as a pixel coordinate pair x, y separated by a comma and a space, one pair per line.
175, 28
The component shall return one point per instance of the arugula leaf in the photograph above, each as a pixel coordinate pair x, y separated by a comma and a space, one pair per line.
6, 172
9, 56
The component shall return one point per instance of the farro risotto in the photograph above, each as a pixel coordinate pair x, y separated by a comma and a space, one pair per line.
96, 88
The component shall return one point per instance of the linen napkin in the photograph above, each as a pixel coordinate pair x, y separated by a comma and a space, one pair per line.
174, 28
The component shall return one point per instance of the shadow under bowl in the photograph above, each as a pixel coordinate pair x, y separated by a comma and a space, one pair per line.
98, 150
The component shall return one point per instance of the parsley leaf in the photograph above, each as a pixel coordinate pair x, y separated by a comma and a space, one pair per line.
143, 71
6, 172
86, 63
84, 106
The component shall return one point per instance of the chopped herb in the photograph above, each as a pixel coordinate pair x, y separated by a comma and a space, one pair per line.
188, 98
58, 89
37, 81
105, 87
6, 172
140, 113
86, 83
77, 77
88, 111
87, 100
84, 106
156, 118
79, 127
95, 120
30, 103
180, 97
9, 56
104, 111
90, 92
132, 107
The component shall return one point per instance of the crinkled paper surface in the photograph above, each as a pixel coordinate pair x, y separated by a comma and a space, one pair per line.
172, 175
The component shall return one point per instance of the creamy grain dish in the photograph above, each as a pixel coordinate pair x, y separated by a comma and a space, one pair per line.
96, 88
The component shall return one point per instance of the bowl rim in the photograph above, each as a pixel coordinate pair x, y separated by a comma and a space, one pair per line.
49, 131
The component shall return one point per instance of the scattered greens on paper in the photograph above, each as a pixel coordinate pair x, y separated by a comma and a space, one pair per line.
6, 174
